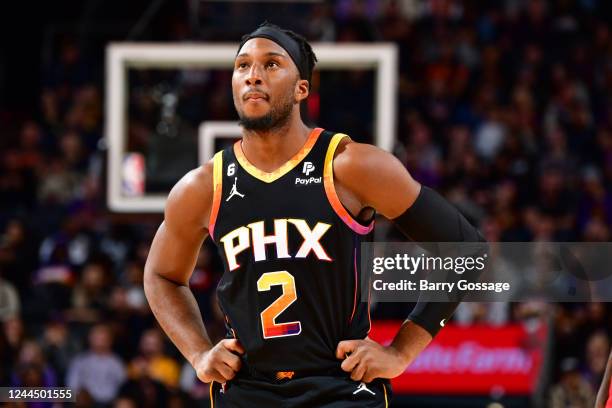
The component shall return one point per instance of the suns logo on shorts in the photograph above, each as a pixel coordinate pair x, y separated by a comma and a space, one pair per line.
282, 375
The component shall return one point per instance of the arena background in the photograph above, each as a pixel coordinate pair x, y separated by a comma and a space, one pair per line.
504, 107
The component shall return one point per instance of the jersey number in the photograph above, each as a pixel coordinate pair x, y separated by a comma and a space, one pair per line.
270, 328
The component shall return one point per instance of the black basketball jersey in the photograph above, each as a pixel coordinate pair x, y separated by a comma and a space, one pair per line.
290, 289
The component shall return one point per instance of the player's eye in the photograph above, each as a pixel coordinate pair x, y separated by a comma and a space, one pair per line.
242, 65
272, 64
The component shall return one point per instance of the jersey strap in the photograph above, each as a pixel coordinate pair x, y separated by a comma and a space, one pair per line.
330, 190
217, 191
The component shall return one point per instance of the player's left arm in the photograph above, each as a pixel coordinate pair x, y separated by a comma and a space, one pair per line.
368, 177
604, 389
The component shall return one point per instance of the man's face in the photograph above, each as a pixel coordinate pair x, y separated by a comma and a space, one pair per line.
265, 85
100, 339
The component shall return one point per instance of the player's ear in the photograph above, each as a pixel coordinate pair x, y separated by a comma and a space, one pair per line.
301, 90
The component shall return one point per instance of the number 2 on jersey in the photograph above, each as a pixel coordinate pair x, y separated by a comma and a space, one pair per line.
270, 328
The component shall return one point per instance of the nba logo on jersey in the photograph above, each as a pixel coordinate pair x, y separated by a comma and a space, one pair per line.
308, 168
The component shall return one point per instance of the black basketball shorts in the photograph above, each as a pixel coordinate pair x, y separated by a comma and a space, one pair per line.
306, 392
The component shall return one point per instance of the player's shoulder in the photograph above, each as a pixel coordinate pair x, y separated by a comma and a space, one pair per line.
353, 158
198, 181
364, 167
191, 197
374, 176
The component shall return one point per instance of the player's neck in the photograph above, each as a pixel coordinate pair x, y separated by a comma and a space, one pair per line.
268, 150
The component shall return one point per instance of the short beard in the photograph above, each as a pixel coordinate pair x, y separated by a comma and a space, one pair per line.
276, 118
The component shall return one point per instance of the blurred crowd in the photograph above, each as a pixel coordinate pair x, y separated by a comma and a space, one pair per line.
504, 107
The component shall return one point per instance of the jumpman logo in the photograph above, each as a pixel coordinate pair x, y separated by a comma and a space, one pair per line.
362, 387
234, 191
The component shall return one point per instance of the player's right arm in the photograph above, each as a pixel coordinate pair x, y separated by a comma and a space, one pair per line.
169, 266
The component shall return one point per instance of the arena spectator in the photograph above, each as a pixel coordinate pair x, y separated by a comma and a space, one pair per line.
572, 391
59, 345
32, 360
597, 351
17, 254
14, 333
134, 290
99, 372
152, 361
9, 300
90, 295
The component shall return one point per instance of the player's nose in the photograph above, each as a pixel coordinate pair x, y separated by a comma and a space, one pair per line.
254, 75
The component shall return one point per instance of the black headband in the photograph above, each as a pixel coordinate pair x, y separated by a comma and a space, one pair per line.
289, 44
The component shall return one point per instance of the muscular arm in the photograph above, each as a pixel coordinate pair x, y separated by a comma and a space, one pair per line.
604, 389
368, 177
172, 259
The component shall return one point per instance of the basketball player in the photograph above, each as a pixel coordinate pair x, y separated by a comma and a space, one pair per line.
604, 396
288, 207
